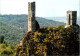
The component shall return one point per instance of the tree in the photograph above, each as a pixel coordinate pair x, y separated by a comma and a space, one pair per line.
1, 38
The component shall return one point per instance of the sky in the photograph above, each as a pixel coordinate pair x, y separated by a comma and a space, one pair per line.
44, 8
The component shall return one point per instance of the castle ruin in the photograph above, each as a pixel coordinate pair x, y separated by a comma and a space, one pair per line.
72, 21
71, 17
31, 16
32, 23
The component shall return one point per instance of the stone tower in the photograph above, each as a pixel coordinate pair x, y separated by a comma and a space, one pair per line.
71, 17
72, 21
31, 16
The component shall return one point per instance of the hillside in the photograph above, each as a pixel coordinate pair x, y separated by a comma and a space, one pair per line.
49, 41
12, 34
14, 26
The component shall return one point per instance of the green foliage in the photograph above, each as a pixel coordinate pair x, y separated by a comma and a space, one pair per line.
53, 40
60, 26
6, 49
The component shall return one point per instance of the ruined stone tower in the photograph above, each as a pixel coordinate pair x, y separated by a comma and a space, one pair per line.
71, 17
72, 21
31, 16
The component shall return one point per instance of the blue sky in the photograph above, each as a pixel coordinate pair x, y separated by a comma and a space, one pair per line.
44, 8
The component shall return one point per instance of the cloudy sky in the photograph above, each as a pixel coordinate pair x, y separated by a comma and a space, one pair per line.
44, 8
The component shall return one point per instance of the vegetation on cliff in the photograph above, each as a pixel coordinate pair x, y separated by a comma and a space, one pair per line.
49, 40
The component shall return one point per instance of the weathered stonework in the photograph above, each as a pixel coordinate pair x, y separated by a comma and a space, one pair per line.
72, 21
71, 17
31, 16
32, 23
